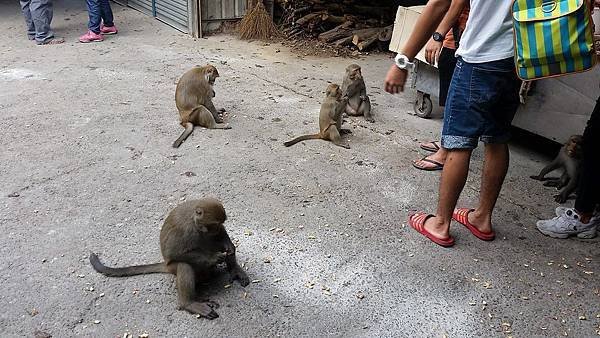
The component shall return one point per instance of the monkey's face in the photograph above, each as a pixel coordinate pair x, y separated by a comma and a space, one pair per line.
354, 72
210, 73
333, 90
574, 146
209, 216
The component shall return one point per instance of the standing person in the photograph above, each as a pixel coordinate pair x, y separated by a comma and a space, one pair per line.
482, 101
581, 221
443, 52
101, 21
38, 17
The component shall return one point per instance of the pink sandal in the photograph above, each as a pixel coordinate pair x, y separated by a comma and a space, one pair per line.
461, 215
417, 222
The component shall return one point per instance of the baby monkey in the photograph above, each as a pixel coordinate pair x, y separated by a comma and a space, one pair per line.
330, 119
193, 98
193, 241
568, 158
354, 88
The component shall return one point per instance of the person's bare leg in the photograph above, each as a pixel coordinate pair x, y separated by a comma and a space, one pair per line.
495, 167
439, 156
454, 177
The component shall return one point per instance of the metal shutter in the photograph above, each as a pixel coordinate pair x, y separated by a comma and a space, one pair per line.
144, 6
173, 13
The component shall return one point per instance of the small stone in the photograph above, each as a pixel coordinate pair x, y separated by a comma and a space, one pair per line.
97, 321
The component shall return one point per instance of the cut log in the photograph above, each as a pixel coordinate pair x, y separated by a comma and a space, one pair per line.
341, 31
343, 41
309, 17
386, 33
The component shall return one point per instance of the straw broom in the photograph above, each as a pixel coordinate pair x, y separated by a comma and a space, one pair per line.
257, 24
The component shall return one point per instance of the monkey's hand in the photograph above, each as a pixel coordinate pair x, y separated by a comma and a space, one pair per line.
219, 257
229, 248
363, 98
240, 275
537, 177
561, 198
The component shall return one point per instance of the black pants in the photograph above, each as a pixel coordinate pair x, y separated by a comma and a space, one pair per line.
446, 65
588, 190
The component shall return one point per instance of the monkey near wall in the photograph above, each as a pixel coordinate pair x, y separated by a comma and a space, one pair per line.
193, 98
568, 158
354, 88
193, 241
330, 119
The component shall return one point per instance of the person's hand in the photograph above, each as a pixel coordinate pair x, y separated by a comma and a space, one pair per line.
395, 80
432, 51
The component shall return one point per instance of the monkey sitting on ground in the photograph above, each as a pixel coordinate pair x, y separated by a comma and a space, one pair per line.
354, 88
568, 158
330, 119
193, 241
193, 98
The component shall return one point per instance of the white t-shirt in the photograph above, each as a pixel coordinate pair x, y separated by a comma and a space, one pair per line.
489, 32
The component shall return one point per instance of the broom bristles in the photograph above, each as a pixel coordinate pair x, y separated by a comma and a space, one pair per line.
257, 24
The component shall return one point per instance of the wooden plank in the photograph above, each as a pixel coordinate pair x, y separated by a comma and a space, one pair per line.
240, 8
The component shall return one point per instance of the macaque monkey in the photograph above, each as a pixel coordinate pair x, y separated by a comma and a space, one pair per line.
330, 119
193, 241
568, 158
193, 98
354, 88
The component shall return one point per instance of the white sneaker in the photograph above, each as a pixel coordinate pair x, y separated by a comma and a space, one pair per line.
567, 224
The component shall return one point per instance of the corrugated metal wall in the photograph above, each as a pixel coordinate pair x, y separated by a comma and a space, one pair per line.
173, 12
218, 10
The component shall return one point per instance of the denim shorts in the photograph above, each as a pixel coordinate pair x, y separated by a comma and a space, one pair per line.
482, 102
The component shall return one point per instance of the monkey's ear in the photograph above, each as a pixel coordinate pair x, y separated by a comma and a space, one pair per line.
199, 212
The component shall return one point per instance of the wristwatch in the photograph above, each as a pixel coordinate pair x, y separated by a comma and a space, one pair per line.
403, 62
437, 37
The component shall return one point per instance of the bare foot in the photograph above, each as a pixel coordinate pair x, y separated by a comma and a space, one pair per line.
482, 223
436, 227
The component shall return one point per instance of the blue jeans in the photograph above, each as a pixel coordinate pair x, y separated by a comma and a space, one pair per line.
98, 11
482, 101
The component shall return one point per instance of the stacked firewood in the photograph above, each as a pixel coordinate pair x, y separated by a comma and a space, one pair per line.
361, 25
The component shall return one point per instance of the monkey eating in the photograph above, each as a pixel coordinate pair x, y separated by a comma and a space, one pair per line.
568, 158
330, 119
193, 241
354, 88
193, 98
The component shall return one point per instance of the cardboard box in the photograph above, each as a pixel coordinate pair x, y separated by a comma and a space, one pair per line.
406, 18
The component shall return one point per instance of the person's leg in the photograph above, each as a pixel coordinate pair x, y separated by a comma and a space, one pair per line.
94, 15
459, 136
588, 190
497, 111
495, 167
454, 177
28, 19
446, 66
106, 13
41, 15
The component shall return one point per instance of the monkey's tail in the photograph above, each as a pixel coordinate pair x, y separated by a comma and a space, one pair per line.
302, 138
189, 127
126, 271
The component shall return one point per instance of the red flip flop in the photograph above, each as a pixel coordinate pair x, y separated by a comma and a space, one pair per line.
417, 222
461, 215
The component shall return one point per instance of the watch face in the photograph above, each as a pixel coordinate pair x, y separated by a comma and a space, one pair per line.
437, 37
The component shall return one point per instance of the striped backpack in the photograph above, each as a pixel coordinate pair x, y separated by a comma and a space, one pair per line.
552, 38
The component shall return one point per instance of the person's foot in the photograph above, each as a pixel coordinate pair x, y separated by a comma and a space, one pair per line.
428, 164
108, 30
31, 37
568, 224
430, 227
432, 162
432, 146
51, 41
91, 37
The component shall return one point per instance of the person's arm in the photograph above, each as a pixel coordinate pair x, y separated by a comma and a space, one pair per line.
428, 21
433, 48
